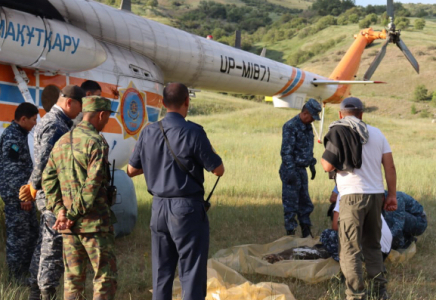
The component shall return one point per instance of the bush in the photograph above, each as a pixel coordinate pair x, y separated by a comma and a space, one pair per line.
433, 99
424, 113
365, 23
413, 109
420, 93
419, 24
353, 18
152, 3
401, 22
342, 20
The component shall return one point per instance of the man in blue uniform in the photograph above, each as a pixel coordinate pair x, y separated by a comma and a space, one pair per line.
15, 169
297, 155
47, 265
407, 222
179, 223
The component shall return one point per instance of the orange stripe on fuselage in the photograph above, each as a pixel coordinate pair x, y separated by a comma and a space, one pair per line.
107, 89
154, 100
294, 72
112, 126
303, 75
7, 112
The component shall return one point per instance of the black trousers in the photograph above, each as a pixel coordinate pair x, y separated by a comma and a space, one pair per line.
179, 235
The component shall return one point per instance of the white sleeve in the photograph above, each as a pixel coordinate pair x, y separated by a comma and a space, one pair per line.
336, 209
386, 146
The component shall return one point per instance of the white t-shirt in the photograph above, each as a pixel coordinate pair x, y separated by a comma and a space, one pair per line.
369, 178
386, 237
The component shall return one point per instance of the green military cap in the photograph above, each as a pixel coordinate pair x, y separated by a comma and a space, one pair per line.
96, 103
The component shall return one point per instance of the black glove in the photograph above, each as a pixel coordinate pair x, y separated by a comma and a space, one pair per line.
313, 171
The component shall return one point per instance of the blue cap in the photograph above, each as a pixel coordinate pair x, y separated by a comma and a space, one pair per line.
351, 103
314, 108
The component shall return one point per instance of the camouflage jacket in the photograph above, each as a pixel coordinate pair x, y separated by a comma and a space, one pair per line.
297, 145
15, 161
80, 189
51, 127
396, 220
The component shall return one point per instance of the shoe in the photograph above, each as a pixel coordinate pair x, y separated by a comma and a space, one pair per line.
290, 232
35, 293
305, 231
384, 296
48, 294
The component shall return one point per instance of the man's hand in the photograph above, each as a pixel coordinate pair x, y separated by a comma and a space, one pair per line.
313, 171
27, 206
27, 193
390, 203
62, 222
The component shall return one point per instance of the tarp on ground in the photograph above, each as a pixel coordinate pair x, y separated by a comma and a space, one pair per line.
224, 283
248, 259
402, 255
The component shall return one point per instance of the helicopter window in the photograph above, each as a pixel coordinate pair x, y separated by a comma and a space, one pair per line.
50, 96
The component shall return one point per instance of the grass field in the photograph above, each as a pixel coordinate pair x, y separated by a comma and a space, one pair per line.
246, 207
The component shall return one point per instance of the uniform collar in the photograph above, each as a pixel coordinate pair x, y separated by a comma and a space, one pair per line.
174, 115
87, 125
58, 111
19, 128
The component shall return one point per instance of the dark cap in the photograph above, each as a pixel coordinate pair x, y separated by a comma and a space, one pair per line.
96, 103
351, 103
314, 108
74, 92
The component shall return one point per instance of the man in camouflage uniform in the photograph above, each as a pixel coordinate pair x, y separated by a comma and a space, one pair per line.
15, 169
407, 222
297, 155
76, 181
47, 267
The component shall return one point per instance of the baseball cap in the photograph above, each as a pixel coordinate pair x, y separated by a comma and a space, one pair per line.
351, 103
96, 103
74, 92
314, 108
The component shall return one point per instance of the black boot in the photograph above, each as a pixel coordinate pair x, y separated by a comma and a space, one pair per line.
290, 232
34, 294
48, 294
305, 231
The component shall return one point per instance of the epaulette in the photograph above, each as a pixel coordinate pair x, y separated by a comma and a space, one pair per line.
195, 124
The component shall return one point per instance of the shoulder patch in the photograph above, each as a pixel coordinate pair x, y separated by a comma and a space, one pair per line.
15, 147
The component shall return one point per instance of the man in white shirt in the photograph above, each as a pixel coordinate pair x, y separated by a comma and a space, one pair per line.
362, 193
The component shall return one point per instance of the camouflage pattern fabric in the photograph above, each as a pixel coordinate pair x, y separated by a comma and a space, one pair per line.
98, 248
297, 154
51, 127
21, 226
80, 186
407, 222
22, 234
330, 241
15, 161
47, 132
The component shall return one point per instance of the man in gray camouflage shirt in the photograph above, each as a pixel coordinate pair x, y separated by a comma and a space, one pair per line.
47, 265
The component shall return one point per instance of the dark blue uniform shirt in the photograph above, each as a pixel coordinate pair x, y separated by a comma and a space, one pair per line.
190, 144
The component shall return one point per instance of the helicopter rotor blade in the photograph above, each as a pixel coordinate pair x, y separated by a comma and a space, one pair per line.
376, 61
390, 9
400, 44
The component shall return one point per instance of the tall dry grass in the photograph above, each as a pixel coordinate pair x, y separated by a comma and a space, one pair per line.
246, 207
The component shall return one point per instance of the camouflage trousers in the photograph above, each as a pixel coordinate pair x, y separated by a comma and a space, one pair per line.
98, 248
296, 200
21, 237
330, 241
47, 267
